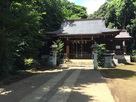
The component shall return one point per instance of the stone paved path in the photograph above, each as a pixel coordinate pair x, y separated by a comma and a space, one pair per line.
75, 84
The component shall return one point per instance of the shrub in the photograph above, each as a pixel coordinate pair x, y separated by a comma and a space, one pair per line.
28, 62
101, 51
133, 56
133, 52
60, 50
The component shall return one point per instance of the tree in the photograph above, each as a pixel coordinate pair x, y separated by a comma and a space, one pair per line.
22, 25
73, 11
57, 11
19, 30
119, 14
125, 17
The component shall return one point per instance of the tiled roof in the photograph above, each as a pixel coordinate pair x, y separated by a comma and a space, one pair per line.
82, 26
123, 34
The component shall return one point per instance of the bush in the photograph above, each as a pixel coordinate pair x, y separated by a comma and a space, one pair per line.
60, 50
101, 51
133, 56
133, 52
28, 62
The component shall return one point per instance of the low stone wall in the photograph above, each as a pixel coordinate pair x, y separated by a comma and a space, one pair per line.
123, 58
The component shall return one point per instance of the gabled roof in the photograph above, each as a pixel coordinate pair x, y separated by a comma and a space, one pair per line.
83, 27
123, 35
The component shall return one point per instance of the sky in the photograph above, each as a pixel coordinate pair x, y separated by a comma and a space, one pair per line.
91, 5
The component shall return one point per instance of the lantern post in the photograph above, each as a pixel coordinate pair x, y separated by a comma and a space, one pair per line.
54, 51
95, 47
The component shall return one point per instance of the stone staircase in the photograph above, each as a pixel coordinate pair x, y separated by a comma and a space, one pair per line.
78, 62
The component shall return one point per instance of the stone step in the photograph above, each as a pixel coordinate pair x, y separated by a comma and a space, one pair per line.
78, 62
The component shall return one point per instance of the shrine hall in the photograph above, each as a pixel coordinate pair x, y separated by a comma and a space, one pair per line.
79, 35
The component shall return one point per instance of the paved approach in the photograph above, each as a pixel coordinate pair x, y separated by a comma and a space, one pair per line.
75, 84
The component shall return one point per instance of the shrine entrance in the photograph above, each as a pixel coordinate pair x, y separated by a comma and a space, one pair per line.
80, 49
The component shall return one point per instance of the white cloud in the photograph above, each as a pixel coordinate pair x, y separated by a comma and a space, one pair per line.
91, 5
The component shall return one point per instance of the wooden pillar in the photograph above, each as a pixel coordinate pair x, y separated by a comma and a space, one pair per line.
81, 50
67, 48
124, 47
81, 46
76, 49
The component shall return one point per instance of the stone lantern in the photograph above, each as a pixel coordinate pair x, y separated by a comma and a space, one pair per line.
95, 47
54, 52
123, 35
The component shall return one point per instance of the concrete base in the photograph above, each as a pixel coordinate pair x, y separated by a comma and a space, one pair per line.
123, 58
108, 62
63, 66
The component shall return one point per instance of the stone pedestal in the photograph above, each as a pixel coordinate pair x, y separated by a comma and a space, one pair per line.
54, 54
108, 62
54, 58
95, 60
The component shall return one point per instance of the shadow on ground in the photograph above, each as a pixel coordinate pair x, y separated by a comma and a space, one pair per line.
117, 73
27, 86
79, 97
82, 88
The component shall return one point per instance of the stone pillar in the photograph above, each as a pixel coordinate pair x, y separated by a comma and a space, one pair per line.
95, 60
54, 58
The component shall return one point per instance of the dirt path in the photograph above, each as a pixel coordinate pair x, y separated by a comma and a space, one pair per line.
122, 82
122, 90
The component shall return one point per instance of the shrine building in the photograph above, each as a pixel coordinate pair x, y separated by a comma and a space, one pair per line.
79, 35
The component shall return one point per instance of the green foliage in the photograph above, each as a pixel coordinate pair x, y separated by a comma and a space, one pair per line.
60, 50
112, 26
73, 11
133, 53
57, 11
22, 24
28, 61
101, 51
120, 14
19, 32
133, 56
52, 19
